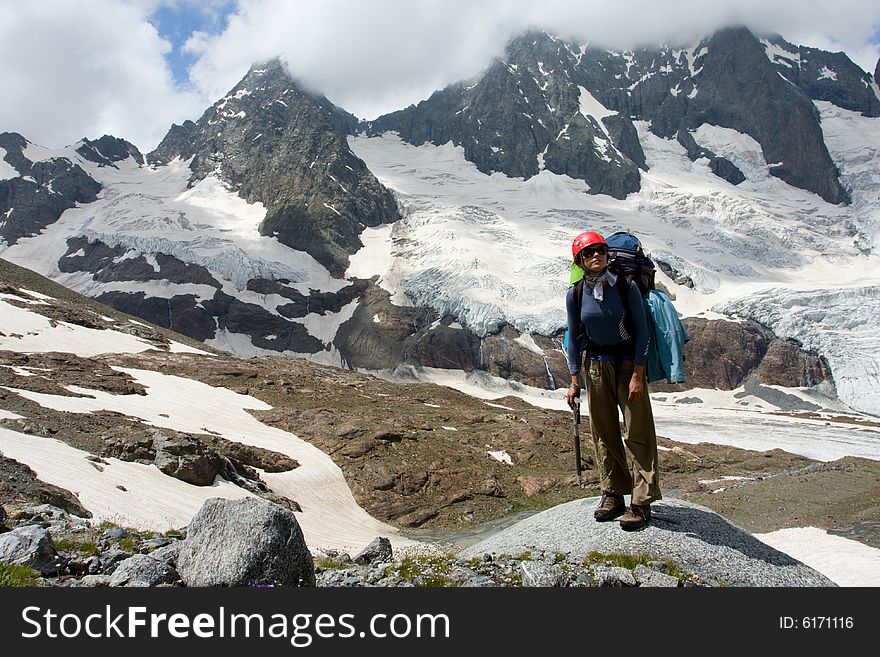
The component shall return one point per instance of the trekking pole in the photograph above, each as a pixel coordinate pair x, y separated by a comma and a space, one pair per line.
576, 422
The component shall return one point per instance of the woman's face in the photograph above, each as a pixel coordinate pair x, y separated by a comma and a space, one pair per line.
594, 258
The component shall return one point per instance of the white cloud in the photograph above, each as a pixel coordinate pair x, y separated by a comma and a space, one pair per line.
374, 57
83, 68
73, 69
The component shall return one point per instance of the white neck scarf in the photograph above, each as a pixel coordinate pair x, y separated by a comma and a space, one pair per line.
597, 283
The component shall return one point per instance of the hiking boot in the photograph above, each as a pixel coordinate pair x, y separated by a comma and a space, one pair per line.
636, 517
610, 507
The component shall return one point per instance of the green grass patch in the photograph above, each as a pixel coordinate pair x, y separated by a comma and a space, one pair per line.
127, 544
17, 576
630, 561
427, 571
85, 546
328, 563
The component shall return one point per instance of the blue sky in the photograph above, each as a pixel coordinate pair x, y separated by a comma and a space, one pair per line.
131, 68
176, 23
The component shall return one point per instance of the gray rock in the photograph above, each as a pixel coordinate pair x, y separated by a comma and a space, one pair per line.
142, 570
113, 556
535, 573
651, 578
585, 579
378, 550
156, 543
169, 553
3, 516
246, 542
697, 539
115, 533
479, 581
614, 576
42, 512
32, 546
90, 581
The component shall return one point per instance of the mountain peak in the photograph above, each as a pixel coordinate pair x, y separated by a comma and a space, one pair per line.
276, 143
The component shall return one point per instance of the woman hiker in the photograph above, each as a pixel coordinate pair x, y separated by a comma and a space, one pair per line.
610, 326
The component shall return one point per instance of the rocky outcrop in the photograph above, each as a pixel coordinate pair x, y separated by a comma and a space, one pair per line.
108, 150
712, 548
108, 263
524, 115
41, 193
274, 143
247, 542
825, 75
739, 88
721, 167
19, 486
787, 364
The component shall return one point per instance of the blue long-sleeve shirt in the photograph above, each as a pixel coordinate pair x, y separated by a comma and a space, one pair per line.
604, 322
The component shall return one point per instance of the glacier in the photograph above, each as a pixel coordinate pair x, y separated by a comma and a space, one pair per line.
490, 249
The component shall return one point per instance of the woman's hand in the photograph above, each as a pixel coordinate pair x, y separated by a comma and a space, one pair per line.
636, 386
574, 390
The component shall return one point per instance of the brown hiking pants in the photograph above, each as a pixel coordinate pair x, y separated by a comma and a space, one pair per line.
627, 465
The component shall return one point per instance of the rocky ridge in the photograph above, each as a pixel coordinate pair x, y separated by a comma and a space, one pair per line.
537, 108
276, 144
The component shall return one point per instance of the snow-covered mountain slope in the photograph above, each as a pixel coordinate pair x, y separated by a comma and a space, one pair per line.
149, 235
129, 491
490, 249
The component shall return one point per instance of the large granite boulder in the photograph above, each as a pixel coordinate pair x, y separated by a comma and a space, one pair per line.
246, 542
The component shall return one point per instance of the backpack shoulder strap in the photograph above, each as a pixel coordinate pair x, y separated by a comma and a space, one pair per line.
578, 298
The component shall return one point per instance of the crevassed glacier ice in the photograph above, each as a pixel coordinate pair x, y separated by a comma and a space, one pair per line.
841, 325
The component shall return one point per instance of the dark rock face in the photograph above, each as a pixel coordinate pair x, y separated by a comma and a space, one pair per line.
826, 76
526, 109
181, 313
106, 264
278, 145
786, 364
721, 167
720, 354
42, 193
19, 486
107, 150
739, 88
524, 112
365, 342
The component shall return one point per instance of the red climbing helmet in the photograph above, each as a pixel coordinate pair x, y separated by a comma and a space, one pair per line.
584, 240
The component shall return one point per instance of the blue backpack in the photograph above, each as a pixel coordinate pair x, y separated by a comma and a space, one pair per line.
627, 259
